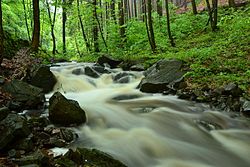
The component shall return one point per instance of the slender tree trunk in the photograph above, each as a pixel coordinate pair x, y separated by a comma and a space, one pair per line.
122, 22
194, 7
171, 39
82, 27
215, 14
52, 24
112, 6
146, 23
1, 34
135, 8
150, 26
212, 12
26, 20
231, 3
36, 30
64, 19
101, 32
95, 28
159, 7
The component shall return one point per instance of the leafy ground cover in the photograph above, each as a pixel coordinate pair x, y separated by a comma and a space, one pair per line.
215, 58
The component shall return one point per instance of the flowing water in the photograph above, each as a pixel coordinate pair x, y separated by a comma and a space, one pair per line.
152, 130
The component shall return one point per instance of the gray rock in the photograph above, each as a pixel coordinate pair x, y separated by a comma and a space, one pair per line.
78, 71
162, 76
246, 108
13, 127
232, 89
4, 111
24, 95
137, 67
65, 112
108, 60
35, 158
123, 77
91, 72
100, 69
41, 76
87, 157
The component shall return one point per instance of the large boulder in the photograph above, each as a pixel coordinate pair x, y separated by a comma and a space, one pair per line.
162, 76
41, 76
25, 96
64, 111
13, 127
109, 61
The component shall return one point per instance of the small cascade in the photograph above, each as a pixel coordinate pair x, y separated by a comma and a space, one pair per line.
151, 130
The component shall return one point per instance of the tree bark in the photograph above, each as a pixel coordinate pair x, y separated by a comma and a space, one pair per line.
171, 39
122, 22
64, 19
146, 23
52, 25
1, 34
231, 3
36, 30
194, 7
150, 26
112, 6
26, 20
135, 8
215, 14
95, 27
82, 28
159, 7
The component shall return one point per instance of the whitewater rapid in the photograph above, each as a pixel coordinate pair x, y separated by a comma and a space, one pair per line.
152, 130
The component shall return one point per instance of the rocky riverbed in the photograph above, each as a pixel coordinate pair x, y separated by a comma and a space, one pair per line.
29, 133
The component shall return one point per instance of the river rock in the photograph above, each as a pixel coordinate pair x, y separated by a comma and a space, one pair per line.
41, 76
108, 60
232, 89
246, 108
91, 72
4, 111
25, 96
65, 112
88, 158
35, 158
162, 76
100, 69
13, 127
78, 71
122, 77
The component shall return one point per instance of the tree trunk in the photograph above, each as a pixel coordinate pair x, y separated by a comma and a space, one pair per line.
150, 26
52, 25
82, 27
64, 19
36, 30
194, 7
168, 25
122, 22
135, 8
231, 3
215, 14
26, 20
1, 35
95, 27
146, 23
212, 14
159, 7
112, 6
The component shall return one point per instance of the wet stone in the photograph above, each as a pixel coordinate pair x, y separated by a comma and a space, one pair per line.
91, 72
4, 111
78, 71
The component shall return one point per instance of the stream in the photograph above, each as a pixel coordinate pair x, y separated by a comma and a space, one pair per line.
152, 130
